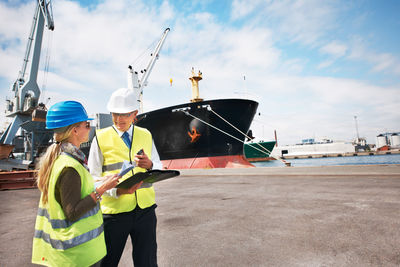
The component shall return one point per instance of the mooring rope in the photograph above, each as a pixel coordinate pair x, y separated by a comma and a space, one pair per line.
266, 150
209, 108
233, 126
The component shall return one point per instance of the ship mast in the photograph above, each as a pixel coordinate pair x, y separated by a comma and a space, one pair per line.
195, 86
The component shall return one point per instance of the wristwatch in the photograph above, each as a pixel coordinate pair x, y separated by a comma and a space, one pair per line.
98, 196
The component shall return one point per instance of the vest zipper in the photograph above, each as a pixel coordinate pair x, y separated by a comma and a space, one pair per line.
130, 161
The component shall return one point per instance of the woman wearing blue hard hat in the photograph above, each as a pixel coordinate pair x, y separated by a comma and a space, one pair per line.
69, 223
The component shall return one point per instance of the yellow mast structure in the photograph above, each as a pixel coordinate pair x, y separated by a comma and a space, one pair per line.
195, 86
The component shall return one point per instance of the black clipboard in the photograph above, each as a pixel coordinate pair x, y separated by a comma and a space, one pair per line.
151, 177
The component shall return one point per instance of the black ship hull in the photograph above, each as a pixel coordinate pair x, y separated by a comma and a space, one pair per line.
210, 129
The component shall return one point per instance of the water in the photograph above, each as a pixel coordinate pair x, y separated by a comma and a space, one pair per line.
355, 160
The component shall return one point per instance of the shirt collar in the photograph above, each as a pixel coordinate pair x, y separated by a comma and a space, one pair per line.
129, 131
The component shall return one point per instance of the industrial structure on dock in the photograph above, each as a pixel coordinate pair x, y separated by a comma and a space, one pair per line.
386, 141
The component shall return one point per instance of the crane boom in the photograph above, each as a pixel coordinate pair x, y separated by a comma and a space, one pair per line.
153, 59
47, 11
133, 79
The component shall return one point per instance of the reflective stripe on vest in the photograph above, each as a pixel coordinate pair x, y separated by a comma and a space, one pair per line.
73, 242
56, 224
60, 242
112, 167
108, 140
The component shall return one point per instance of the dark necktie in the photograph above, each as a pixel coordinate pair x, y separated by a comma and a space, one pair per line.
126, 139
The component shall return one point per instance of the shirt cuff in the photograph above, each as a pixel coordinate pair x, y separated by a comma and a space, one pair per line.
112, 192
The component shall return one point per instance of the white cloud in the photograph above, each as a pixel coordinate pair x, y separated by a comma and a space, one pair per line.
335, 49
301, 21
325, 64
242, 8
379, 62
384, 62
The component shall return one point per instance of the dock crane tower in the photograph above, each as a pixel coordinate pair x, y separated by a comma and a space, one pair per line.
26, 93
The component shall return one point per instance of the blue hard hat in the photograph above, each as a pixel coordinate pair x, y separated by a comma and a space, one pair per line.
65, 113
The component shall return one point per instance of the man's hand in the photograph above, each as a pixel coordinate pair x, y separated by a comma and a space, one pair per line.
121, 191
143, 161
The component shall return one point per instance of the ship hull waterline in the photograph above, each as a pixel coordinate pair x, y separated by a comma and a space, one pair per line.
200, 134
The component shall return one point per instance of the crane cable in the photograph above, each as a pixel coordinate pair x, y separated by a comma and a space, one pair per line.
47, 62
141, 57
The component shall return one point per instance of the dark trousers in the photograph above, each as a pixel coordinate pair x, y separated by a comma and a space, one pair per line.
140, 224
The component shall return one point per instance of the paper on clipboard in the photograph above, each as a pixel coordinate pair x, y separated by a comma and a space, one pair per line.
126, 167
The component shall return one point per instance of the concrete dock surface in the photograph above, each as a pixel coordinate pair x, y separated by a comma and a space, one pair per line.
276, 216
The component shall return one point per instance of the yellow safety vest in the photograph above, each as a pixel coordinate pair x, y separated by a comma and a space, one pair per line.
114, 152
60, 242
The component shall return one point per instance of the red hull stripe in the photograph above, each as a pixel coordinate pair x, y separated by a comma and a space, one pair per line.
236, 161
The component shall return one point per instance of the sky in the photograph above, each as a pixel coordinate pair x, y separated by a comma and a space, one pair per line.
318, 69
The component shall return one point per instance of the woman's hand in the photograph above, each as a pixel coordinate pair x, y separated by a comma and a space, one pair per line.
109, 181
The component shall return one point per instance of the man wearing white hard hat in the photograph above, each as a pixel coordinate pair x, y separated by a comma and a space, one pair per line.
126, 212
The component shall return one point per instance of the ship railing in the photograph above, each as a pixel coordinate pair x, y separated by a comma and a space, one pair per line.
181, 109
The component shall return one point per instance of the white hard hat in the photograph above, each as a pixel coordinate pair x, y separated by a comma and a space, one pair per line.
123, 100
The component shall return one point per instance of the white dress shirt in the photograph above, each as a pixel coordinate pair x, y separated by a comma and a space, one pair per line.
95, 160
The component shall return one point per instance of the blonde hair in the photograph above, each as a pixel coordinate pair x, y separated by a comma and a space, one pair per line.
46, 162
